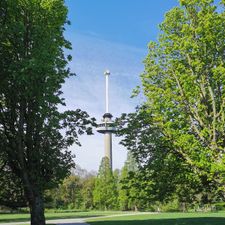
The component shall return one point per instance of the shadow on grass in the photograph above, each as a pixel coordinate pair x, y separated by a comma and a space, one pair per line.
9, 220
66, 224
179, 221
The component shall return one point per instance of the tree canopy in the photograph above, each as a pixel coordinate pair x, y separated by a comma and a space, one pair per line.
35, 134
178, 133
105, 192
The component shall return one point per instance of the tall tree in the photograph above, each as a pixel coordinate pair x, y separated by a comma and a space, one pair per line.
123, 193
105, 192
87, 192
126, 202
183, 83
34, 135
161, 171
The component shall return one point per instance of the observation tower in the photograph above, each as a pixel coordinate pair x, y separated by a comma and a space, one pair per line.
107, 126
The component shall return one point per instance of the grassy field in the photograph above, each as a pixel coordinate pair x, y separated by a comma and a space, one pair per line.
217, 218
164, 219
9, 217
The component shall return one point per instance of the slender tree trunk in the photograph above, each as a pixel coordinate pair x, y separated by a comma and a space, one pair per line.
37, 210
184, 207
135, 208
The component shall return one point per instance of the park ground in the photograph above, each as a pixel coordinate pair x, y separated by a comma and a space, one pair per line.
164, 219
127, 218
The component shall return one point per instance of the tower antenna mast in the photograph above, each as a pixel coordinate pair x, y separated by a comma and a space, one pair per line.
107, 73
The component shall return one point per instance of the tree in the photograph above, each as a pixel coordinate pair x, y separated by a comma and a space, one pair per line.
87, 180
34, 134
11, 192
105, 192
87, 192
123, 195
71, 192
177, 135
161, 173
183, 83
75, 192
124, 198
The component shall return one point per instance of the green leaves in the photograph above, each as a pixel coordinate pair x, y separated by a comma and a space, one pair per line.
35, 135
179, 129
105, 192
182, 81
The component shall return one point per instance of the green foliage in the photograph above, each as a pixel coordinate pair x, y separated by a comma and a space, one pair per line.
70, 192
87, 192
123, 196
159, 170
130, 186
184, 85
105, 193
75, 192
177, 135
34, 134
11, 191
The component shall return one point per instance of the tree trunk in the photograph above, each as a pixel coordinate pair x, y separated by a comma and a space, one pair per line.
37, 210
135, 208
184, 207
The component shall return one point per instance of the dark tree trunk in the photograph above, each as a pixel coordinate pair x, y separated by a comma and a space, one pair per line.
37, 210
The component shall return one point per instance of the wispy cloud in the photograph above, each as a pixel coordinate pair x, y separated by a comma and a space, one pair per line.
91, 56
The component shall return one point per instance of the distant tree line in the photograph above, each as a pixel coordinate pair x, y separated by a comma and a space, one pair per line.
131, 188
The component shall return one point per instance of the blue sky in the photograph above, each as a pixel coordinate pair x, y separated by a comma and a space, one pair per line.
131, 22
108, 34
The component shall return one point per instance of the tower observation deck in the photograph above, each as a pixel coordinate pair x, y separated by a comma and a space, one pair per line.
107, 126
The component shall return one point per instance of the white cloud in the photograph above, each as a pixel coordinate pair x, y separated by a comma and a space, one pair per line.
91, 56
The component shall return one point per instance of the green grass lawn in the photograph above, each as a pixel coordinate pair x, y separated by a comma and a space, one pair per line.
217, 218
164, 219
9, 217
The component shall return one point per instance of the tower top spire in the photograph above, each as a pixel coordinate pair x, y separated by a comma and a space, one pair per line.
107, 73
